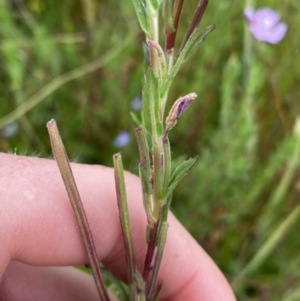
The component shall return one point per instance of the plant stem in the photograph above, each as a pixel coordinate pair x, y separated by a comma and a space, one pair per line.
154, 36
195, 21
162, 237
68, 178
150, 251
171, 36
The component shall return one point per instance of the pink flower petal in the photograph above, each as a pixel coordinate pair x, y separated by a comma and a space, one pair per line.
264, 26
277, 33
249, 13
265, 17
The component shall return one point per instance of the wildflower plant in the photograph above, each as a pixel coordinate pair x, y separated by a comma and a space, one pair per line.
158, 177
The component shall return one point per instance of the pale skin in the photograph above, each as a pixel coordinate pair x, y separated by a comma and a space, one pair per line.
39, 237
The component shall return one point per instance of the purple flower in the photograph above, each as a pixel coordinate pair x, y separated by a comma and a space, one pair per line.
183, 105
122, 139
264, 25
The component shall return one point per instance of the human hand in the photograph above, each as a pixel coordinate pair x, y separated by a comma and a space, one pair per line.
40, 238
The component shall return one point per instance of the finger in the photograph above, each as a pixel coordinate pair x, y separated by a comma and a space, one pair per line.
40, 227
25, 282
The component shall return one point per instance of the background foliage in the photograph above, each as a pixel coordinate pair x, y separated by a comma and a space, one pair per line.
240, 202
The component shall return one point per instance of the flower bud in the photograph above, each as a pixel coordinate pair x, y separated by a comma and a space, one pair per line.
180, 105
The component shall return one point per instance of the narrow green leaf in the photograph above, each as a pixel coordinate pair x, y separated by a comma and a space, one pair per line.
120, 287
155, 4
147, 99
135, 119
164, 215
124, 214
145, 172
140, 9
144, 151
167, 160
196, 38
165, 209
199, 12
168, 16
152, 119
178, 174
147, 192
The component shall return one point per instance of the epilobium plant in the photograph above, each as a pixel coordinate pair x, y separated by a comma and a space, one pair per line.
158, 176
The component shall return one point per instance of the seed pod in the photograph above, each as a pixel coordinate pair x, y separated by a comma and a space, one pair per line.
180, 105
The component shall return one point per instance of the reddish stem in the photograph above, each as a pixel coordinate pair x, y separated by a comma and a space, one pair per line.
171, 37
150, 251
195, 21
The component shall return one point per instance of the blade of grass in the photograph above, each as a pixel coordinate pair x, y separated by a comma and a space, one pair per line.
279, 195
293, 296
69, 181
63, 79
269, 246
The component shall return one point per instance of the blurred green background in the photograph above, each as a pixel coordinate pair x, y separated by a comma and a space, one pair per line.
82, 63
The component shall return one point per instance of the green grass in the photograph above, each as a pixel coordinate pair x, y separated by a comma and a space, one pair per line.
243, 193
